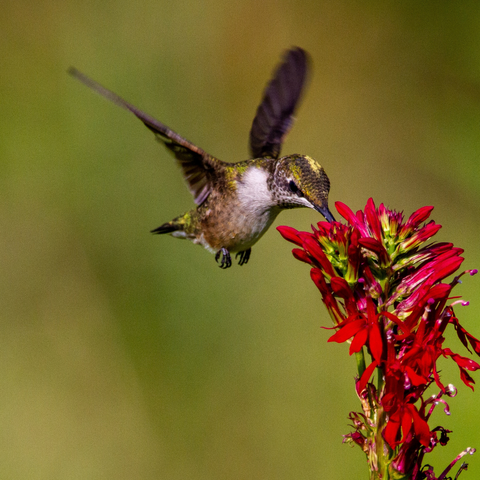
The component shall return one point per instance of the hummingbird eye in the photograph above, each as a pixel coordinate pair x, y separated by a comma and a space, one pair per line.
294, 189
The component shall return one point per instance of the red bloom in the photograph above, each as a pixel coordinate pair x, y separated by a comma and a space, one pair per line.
364, 329
405, 419
386, 291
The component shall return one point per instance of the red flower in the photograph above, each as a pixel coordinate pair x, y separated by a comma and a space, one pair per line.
402, 422
387, 293
364, 329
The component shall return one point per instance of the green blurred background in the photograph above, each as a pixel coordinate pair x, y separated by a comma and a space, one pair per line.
126, 355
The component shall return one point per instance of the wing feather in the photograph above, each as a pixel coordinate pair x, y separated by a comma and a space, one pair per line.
198, 166
274, 116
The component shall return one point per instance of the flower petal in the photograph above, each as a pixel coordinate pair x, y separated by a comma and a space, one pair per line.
375, 342
290, 234
347, 332
422, 431
311, 245
358, 341
301, 255
361, 384
346, 213
372, 219
390, 432
341, 287
418, 217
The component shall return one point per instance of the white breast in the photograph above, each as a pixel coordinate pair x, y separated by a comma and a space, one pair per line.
253, 191
256, 206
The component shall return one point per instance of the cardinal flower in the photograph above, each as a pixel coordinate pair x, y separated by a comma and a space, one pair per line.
389, 296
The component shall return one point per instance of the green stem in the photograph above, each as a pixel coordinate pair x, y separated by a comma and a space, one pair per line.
360, 357
379, 381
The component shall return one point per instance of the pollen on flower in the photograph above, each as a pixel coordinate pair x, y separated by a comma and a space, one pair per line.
387, 292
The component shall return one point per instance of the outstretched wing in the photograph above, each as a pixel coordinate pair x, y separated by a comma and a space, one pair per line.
197, 165
274, 116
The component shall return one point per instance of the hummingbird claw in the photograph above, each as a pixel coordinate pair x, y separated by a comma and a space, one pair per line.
244, 256
226, 261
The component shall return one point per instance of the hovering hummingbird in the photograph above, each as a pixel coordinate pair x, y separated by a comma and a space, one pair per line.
237, 202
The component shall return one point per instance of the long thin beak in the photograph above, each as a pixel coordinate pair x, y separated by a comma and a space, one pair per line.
326, 213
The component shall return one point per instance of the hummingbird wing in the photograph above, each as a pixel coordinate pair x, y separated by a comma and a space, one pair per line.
274, 116
197, 165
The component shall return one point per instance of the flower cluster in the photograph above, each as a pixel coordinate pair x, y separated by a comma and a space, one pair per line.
386, 293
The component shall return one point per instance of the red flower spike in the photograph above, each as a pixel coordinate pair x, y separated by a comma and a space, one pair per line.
387, 291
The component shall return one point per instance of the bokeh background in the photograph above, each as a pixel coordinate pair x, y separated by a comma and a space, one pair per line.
126, 355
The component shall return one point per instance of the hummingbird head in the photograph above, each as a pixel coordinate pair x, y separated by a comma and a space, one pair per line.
301, 182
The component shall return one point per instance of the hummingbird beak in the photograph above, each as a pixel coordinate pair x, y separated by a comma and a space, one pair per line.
325, 212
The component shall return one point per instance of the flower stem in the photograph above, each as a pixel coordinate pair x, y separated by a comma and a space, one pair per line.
360, 357
380, 380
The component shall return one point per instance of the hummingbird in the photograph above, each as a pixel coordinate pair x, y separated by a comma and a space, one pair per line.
237, 202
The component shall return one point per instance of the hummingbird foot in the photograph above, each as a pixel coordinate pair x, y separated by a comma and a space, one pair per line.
226, 261
244, 256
